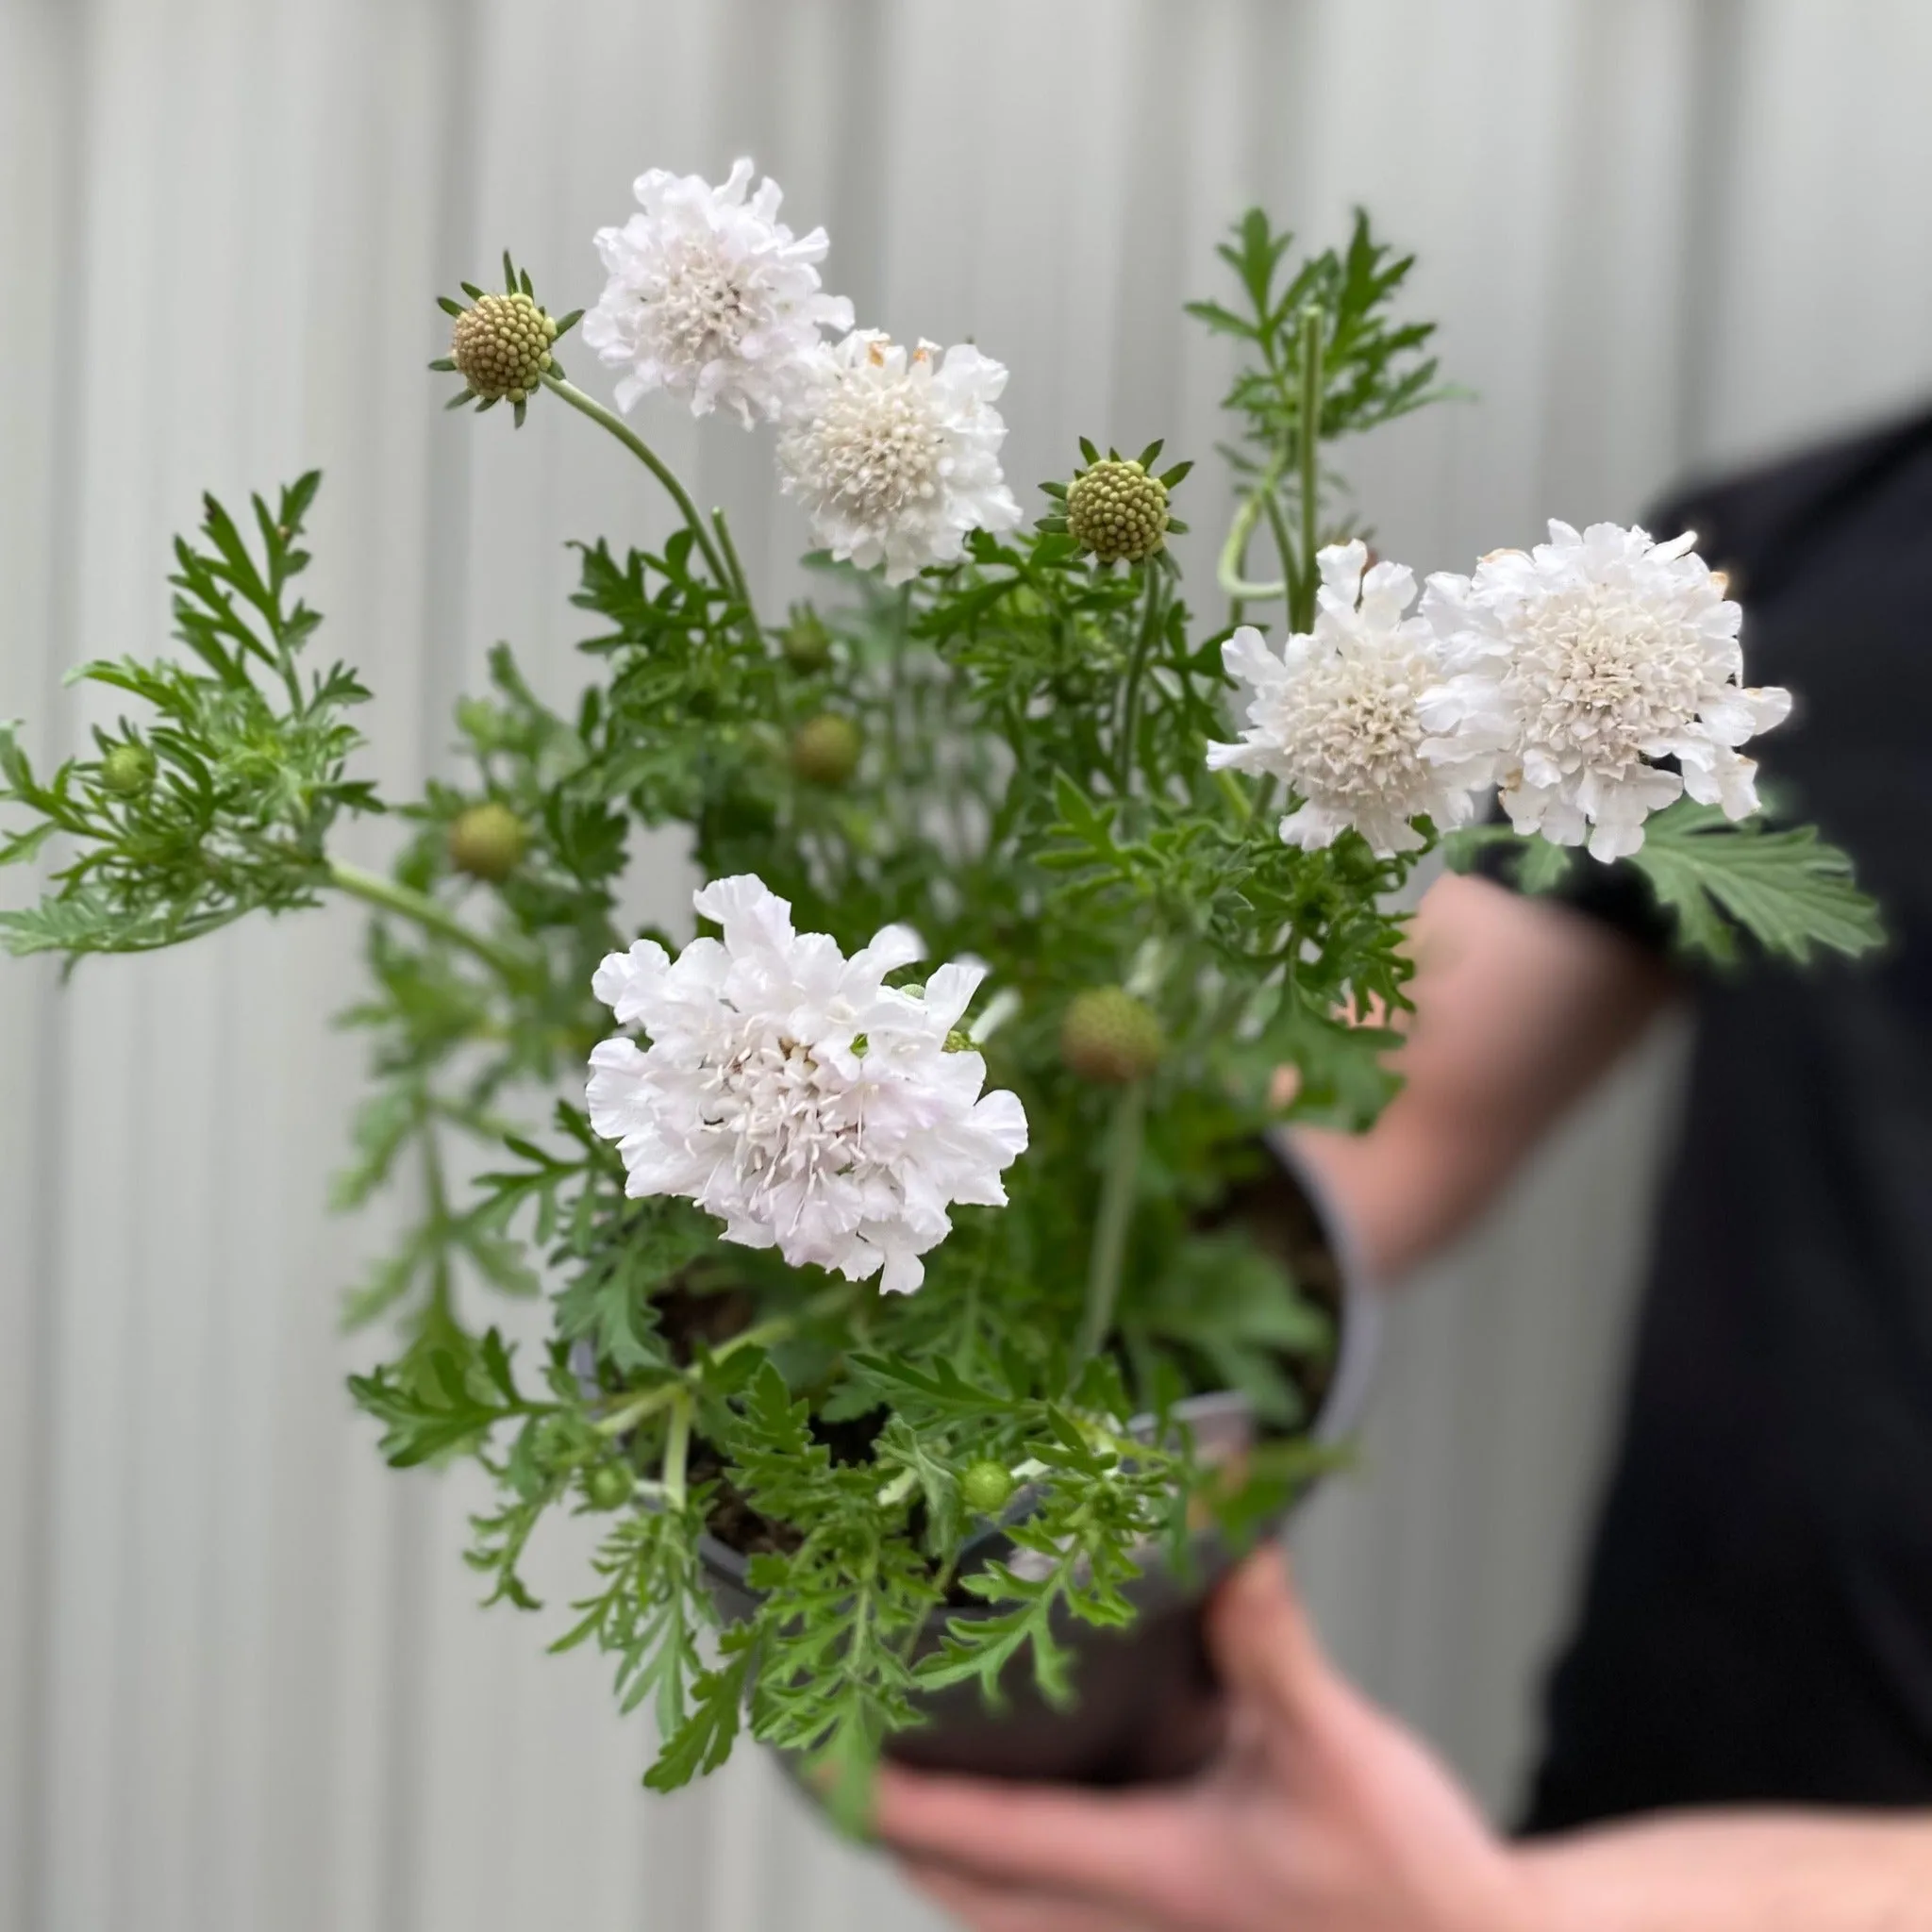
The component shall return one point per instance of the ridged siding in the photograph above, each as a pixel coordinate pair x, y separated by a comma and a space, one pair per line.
242, 1681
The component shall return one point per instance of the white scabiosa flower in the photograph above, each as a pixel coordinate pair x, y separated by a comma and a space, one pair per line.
792, 1093
710, 295
894, 454
1336, 717
1577, 663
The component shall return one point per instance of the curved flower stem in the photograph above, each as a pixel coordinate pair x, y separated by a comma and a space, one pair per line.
373, 889
741, 584
586, 406
1115, 1215
1309, 452
1136, 665
1234, 552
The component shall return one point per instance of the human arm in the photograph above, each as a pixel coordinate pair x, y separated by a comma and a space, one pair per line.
1326, 1816
1521, 1004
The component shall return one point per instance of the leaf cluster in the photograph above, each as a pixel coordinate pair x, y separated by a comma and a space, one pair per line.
219, 800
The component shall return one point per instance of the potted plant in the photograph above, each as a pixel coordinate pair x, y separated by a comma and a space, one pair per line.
931, 1310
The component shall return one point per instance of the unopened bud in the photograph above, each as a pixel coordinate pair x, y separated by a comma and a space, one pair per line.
1110, 1037
825, 750
128, 770
609, 1486
501, 347
805, 641
1117, 510
487, 842
986, 1485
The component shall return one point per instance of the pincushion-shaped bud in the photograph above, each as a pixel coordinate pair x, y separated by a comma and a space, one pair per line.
825, 749
128, 770
1110, 1037
609, 1486
487, 841
805, 641
501, 346
986, 1485
1118, 510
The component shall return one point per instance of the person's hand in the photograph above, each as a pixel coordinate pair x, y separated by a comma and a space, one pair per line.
1323, 1816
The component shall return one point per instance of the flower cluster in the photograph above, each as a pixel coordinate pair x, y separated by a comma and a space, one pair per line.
893, 454
1559, 675
792, 1093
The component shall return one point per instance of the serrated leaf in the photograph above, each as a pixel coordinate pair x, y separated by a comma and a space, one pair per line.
1792, 893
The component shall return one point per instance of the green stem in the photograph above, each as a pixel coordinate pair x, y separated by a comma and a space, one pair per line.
678, 1450
1114, 1218
1313, 389
1136, 665
638, 1406
754, 636
375, 890
1294, 580
1234, 552
586, 406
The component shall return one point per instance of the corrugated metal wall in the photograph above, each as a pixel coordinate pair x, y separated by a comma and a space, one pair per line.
242, 1683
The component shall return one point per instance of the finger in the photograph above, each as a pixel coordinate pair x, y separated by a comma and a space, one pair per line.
1264, 1643
985, 1907
1146, 1852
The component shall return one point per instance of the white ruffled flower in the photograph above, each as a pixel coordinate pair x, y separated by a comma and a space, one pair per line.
1576, 664
1336, 717
710, 295
894, 454
790, 1092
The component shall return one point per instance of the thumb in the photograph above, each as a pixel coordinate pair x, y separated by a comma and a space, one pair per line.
1263, 1642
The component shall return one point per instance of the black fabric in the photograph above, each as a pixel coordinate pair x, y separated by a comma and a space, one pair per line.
1757, 1621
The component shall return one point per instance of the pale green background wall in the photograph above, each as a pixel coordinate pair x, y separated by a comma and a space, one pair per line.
241, 1682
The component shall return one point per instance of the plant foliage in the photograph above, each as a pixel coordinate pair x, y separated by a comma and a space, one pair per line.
1029, 788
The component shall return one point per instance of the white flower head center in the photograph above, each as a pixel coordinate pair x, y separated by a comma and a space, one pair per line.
1336, 715
704, 308
1604, 676
788, 1116
894, 451
878, 443
1579, 664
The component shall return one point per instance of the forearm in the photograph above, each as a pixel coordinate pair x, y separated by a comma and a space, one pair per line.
1519, 1007
1740, 1871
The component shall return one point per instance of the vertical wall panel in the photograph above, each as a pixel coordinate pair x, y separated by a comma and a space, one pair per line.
244, 1682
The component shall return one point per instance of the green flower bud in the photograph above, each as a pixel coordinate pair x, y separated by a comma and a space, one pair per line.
609, 1486
501, 347
128, 770
1110, 1037
554, 1445
805, 641
986, 1485
825, 750
487, 842
1117, 510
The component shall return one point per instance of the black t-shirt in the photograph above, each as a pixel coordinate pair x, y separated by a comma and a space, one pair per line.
1756, 1622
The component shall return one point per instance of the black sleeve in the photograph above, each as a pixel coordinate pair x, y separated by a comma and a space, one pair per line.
1616, 895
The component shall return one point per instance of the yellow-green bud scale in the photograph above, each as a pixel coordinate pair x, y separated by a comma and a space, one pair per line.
1117, 510
501, 347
